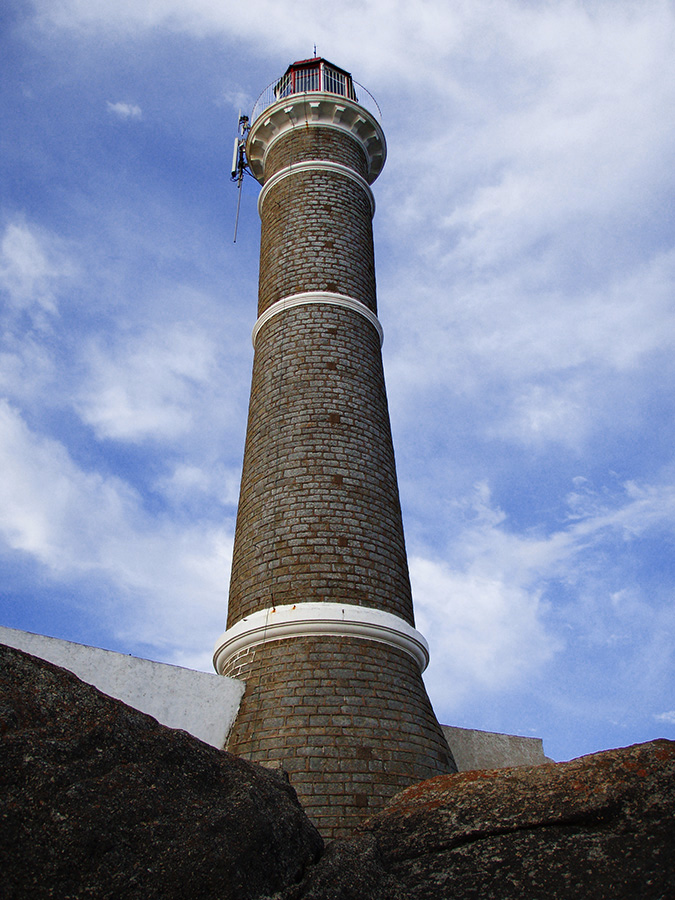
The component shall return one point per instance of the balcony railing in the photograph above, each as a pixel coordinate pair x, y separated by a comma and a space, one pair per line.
308, 81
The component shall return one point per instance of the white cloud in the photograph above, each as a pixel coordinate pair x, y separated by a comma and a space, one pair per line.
540, 414
26, 369
485, 635
555, 365
239, 100
189, 483
168, 581
667, 717
34, 270
144, 388
125, 110
640, 508
492, 612
31, 266
532, 205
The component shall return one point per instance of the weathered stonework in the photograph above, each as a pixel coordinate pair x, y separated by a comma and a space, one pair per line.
319, 517
315, 143
349, 720
313, 223
319, 514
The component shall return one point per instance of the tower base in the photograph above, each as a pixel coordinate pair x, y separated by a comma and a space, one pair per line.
348, 719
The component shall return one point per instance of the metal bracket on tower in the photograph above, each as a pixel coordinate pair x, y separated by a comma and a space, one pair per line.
239, 164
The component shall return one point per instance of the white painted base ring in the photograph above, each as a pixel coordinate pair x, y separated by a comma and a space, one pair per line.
316, 620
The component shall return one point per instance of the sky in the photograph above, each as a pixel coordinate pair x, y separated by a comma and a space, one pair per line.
525, 255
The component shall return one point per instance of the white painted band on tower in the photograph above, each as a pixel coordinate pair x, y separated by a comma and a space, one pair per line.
279, 623
313, 165
316, 297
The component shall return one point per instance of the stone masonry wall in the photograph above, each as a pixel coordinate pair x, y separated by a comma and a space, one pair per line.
319, 515
349, 721
311, 142
316, 236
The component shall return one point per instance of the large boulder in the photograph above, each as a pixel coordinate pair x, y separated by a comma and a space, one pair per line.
99, 800
600, 827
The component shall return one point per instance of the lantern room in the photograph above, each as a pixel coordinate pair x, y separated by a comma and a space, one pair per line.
314, 92
315, 74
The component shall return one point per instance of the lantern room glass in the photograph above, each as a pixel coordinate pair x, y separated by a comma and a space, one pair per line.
315, 75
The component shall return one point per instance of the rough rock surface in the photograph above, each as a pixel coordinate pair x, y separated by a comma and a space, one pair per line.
99, 800
599, 827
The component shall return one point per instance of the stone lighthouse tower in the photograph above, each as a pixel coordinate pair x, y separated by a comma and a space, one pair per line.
320, 622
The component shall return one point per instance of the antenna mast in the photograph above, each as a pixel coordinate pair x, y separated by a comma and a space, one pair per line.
239, 162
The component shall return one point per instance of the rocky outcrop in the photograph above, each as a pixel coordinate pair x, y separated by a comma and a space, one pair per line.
99, 800
599, 827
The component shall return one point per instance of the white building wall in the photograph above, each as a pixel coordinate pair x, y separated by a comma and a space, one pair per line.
204, 705
490, 750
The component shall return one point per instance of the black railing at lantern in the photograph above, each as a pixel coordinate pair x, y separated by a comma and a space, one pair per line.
314, 75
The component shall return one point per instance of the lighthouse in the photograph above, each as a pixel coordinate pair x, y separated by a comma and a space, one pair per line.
320, 620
